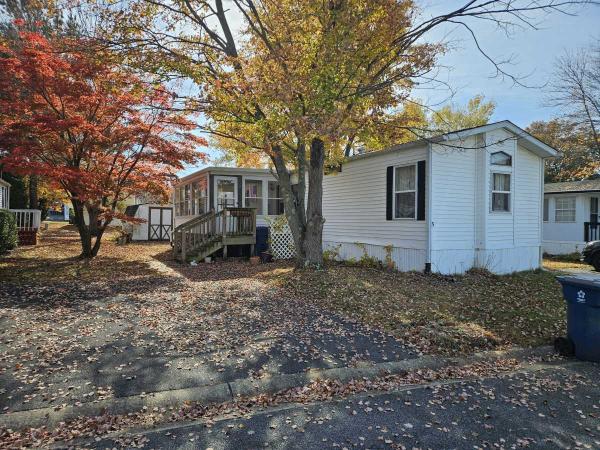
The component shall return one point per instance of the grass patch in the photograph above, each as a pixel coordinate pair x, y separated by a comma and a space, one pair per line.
562, 262
440, 314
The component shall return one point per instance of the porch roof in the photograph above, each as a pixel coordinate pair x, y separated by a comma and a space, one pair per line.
572, 187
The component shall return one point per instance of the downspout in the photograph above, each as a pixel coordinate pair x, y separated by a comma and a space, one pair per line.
429, 206
542, 175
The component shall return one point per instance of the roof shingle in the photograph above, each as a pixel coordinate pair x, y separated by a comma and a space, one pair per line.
572, 186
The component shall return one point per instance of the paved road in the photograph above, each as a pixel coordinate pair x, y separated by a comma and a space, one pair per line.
557, 407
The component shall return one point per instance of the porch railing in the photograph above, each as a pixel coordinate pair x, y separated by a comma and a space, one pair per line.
214, 226
27, 219
591, 231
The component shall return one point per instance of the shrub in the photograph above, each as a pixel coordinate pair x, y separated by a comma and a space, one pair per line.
8, 231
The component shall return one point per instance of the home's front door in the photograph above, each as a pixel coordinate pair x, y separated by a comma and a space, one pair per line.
226, 192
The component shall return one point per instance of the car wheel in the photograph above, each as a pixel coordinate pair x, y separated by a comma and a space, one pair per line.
596, 262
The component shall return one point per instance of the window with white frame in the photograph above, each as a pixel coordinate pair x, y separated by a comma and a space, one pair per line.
253, 195
275, 200
564, 209
546, 209
500, 192
405, 192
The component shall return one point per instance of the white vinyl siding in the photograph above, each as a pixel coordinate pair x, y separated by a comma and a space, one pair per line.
453, 192
354, 204
527, 197
465, 231
500, 226
565, 209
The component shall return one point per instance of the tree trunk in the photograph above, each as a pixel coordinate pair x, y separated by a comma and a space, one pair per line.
96, 247
293, 202
33, 192
84, 231
313, 237
306, 226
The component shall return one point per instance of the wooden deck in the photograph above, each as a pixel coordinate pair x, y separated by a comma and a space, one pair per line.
213, 231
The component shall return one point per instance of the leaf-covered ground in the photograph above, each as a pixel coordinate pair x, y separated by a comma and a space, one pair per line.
127, 323
132, 321
441, 314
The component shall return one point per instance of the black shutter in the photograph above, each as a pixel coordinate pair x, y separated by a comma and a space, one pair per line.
389, 195
421, 190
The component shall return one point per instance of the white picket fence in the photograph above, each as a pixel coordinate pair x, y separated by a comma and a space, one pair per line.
27, 219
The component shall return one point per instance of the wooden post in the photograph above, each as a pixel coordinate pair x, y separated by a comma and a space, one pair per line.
224, 236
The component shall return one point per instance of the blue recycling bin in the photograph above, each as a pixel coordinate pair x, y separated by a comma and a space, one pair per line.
583, 315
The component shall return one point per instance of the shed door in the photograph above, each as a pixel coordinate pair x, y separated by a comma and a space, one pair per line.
160, 223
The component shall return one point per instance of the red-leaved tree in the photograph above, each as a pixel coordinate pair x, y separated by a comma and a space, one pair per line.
81, 120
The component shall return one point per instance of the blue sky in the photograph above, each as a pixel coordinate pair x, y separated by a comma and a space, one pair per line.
532, 52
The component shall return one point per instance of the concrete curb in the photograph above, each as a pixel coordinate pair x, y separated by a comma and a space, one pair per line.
224, 392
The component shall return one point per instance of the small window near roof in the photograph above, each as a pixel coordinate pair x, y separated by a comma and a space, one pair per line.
501, 159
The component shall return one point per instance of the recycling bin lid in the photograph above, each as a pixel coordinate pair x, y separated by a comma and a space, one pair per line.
581, 291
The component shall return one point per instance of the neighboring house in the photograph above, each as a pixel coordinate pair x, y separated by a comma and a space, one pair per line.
221, 209
28, 220
468, 199
4, 194
570, 215
217, 187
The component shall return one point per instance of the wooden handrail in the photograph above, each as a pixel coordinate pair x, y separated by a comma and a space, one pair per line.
213, 226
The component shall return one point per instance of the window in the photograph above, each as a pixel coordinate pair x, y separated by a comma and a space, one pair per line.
405, 192
194, 197
594, 209
500, 192
202, 197
501, 159
275, 201
564, 210
253, 195
546, 209
179, 201
187, 205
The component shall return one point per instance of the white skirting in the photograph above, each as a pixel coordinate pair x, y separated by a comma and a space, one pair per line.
405, 259
562, 247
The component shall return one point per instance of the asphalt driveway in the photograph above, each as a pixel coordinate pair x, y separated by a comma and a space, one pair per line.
70, 343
